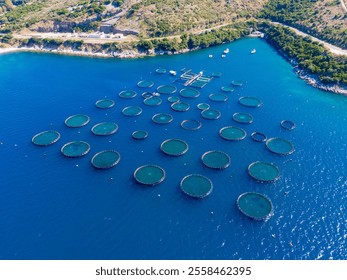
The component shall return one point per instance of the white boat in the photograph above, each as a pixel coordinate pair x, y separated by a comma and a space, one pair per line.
226, 51
210, 56
173, 73
223, 55
253, 51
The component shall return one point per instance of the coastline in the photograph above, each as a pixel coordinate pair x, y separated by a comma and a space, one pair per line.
125, 54
313, 80
132, 54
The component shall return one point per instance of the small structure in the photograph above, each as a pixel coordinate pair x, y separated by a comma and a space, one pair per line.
280, 146
255, 205
149, 175
105, 159
127, 94
75, 149
263, 171
174, 147
196, 185
216, 159
104, 128
258, 137
46, 138
243, 118
166, 89
250, 101
289, 125
191, 124
180, 106
189, 93
211, 114
104, 103
132, 111
77, 121
203, 106
162, 118
145, 84
152, 101
218, 97
139, 134
232, 133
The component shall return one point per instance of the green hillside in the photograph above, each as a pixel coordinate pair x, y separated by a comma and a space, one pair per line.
148, 18
324, 19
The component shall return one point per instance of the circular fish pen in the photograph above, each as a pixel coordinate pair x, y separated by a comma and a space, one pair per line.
46, 138
162, 118
191, 124
160, 71
166, 89
216, 159
105, 128
145, 84
104, 103
132, 111
243, 118
152, 101
232, 133
250, 101
147, 94
75, 149
289, 125
227, 89
180, 106
174, 147
218, 97
77, 121
196, 185
139, 134
263, 171
203, 106
255, 205
216, 74
189, 93
280, 146
173, 99
127, 94
149, 175
237, 83
105, 159
211, 114
258, 137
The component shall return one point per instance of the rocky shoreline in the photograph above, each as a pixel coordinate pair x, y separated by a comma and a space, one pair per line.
313, 80
130, 54
125, 54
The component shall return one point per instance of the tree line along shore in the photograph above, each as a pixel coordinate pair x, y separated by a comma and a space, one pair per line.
313, 62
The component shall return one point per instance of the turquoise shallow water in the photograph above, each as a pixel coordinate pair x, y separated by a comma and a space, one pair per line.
53, 207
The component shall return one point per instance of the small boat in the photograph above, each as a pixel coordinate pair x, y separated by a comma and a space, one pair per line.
253, 51
173, 73
210, 56
223, 55
226, 51
156, 94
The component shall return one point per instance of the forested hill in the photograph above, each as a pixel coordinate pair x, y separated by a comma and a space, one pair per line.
149, 18
325, 19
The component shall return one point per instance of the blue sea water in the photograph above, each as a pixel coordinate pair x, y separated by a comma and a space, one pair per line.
53, 207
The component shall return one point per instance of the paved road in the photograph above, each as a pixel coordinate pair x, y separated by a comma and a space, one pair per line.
332, 48
343, 5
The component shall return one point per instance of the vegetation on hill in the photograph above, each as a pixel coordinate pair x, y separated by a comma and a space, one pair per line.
150, 18
309, 56
324, 19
